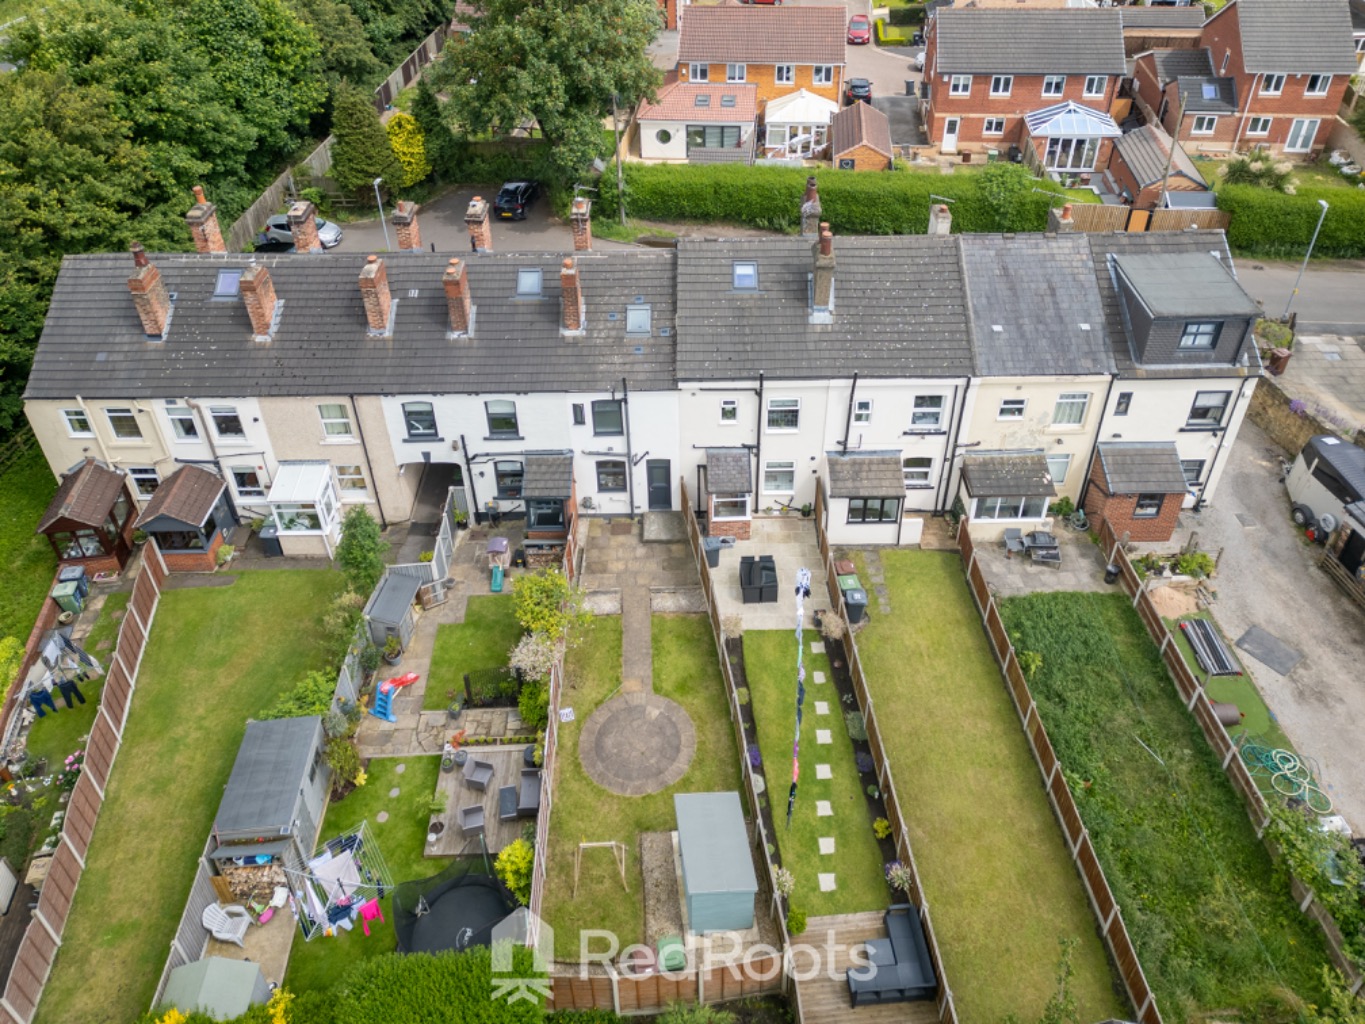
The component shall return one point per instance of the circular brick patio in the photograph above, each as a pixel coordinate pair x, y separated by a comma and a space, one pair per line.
637, 743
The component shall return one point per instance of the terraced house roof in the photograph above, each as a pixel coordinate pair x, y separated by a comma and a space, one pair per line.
1030, 42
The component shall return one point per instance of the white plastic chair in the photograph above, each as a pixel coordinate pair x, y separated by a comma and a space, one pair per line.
228, 924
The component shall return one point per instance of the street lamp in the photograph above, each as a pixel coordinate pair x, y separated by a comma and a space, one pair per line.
380, 203
1321, 217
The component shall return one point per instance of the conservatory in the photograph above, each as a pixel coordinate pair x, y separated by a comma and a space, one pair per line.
303, 502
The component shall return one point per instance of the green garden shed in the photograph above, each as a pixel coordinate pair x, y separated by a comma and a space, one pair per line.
216, 986
719, 883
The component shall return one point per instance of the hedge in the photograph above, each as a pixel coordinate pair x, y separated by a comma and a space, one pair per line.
1272, 224
888, 36
995, 198
418, 988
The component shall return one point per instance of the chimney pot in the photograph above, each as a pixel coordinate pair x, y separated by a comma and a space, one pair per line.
405, 226
303, 225
457, 297
581, 222
374, 292
139, 255
810, 208
258, 295
571, 298
1060, 220
202, 221
822, 280
150, 298
199, 194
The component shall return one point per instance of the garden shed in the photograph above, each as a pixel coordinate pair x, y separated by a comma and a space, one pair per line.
190, 518
719, 883
275, 795
216, 986
389, 611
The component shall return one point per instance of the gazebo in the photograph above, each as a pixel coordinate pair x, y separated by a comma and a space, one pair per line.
303, 501
190, 518
90, 519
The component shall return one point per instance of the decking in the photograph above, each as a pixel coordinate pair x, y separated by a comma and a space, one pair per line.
507, 765
824, 1000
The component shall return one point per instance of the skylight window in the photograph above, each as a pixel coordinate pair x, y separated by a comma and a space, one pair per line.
745, 276
227, 284
728, 101
528, 283
702, 100
1210, 91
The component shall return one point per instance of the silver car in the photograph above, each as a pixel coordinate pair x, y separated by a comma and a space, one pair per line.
277, 230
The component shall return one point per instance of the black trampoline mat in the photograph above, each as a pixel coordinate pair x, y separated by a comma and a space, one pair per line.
462, 916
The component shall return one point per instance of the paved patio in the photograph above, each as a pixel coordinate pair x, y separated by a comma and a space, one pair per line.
265, 944
507, 765
637, 743
792, 543
1082, 567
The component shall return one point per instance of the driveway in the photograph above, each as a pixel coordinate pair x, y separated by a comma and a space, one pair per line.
903, 113
1268, 577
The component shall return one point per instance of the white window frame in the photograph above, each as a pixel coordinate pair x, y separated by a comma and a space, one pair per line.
1204, 124
960, 85
993, 126
784, 74
1002, 85
247, 494
1200, 335
1324, 83
70, 416
787, 404
226, 411
1070, 399
731, 406
822, 74
330, 424
918, 411
912, 474
1060, 457
784, 467
180, 416
1206, 423
1143, 506
139, 475
505, 407
1259, 125
1095, 86
639, 320
1305, 138
699, 72
1054, 85
736, 73
717, 499
122, 412
352, 481
990, 507
862, 410
1011, 409
1272, 85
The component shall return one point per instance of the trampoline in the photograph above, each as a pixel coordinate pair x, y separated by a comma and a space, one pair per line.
454, 910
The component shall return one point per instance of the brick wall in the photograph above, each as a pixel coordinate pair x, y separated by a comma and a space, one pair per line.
1118, 510
1026, 95
1290, 430
865, 158
737, 528
195, 561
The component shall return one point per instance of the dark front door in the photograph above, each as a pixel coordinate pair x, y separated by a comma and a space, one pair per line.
660, 487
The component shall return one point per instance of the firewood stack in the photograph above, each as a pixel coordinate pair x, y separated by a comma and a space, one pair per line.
254, 884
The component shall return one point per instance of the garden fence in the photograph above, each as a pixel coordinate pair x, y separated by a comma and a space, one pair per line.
43, 937
1101, 898
1198, 703
191, 938
441, 552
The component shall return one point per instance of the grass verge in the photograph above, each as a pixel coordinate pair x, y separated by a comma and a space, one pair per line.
685, 671
482, 641
216, 656
769, 664
1213, 924
991, 857
28, 560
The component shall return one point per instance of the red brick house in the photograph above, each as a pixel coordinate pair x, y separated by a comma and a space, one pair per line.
986, 71
1165, 79
1138, 486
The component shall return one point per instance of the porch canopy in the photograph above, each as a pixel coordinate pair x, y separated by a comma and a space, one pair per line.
728, 471
866, 475
1021, 474
182, 507
1142, 467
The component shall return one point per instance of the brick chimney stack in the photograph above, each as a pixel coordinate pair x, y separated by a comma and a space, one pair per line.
405, 225
571, 299
258, 295
456, 287
476, 219
374, 292
203, 224
822, 293
582, 224
303, 225
150, 298
810, 209
940, 220
1060, 221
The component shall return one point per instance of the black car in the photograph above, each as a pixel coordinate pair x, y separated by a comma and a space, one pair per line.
858, 89
514, 197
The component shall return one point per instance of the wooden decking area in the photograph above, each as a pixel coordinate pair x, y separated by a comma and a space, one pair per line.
507, 765
824, 1000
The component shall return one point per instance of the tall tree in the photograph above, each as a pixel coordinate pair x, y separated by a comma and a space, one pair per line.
360, 146
440, 141
347, 55
558, 62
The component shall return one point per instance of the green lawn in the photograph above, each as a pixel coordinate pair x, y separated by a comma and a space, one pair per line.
216, 656
316, 965
1316, 175
482, 641
27, 559
686, 671
770, 665
991, 856
1213, 925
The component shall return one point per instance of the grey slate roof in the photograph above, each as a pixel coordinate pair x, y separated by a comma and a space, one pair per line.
866, 475
1296, 36
1165, 245
1142, 467
187, 496
1208, 95
1145, 150
1034, 306
1173, 64
728, 471
1186, 284
1139, 19
1030, 42
547, 476
1007, 475
271, 764
93, 343
900, 310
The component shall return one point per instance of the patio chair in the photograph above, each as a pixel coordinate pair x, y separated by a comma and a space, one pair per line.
227, 924
1014, 541
478, 774
471, 820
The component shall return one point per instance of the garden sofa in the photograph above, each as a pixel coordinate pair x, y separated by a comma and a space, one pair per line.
901, 970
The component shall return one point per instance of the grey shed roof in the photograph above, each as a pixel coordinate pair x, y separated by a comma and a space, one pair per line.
1186, 284
391, 601
1145, 150
1138, 19
93, 343
1030, 42
900, 309
1142, 467
1295, 36
866, 475
220, 987
1191, 201
728, 471
547, 476
1007, 475
1208, 95
1034, 305
1173, 64
272, 764
714, 843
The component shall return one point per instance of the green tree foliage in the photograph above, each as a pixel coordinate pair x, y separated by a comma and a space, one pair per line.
1001, 187
440, 140
360, 147
410, 147
361, 550
543, 602
558, 63
313, 696
346, 54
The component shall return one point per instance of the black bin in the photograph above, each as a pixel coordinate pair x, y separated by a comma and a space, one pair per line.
270, 541
75, 574
1111, 573
856, 602
711, 547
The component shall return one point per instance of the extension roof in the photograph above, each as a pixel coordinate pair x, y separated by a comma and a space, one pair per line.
1186, 284
762, 34
1146, 150
87, 493
860, 124
187, 496
1295, 36
701, 103
547, 475
1007, 475
1142, 467
728, 471
1030, 42
866, 475
1173, 64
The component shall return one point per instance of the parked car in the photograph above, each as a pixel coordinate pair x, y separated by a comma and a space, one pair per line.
514, 198
858, 89
859, 30
277, 230
1327, 475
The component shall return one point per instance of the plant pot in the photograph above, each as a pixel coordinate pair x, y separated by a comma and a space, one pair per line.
461, 756
528, 757
448, 764
393, 659
454, 711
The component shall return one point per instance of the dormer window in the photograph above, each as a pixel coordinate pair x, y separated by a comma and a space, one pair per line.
1200, 335
744, 276
528, 284
226, 287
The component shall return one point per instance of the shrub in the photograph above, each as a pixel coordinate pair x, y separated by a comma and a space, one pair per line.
796, 921
742, 696
853, 722
1259, 169
361, 150
544, 603
833, 626
360, 552
339, 624
344, 760
898, 876
695, 1013
1272, 224
1327, 864
426, 556
864, 761
1061, 508
454, 988
881, 828
533, 704
784, 881
888, 36
1197, 564
1273, 334
514, 866
409, 146
313, 696
224, 555
535, 655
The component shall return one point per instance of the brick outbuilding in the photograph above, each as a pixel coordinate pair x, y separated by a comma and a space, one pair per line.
1139, 487
860, 138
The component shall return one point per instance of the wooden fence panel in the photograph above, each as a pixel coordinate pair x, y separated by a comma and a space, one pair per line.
978, 584
1182, 220
1185, 681
100, 750
32, 964
114, 698
1212, 728
1096, 217
1042, 748
1000, 640
82, 810
60, 888
130, 642
1018, 685
1095, 881
1125, 957
1066, 809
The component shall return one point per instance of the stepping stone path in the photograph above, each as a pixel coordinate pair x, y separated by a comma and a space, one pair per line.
382, 817
823, 809
824, 771
872, 566
399, 769
394, 792
827, 882
817, 647
827, 845
823, 737
821, 707
820, 678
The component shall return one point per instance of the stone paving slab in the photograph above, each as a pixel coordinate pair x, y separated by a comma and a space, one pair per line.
689, 601
637, 745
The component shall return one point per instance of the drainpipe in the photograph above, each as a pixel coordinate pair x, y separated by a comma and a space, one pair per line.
369, 467
99, 441
848, 420
1213, 463
1095, 445
469, 480
758, 446
630, 458
945, 476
